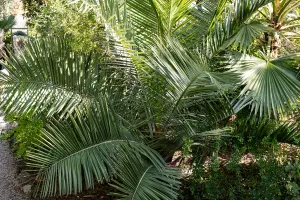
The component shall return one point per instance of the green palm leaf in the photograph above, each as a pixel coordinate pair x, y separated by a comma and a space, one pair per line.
193, 99
73, 154
49, 77
141, 181
271, 87
230, 24
246, 35
256, 131
287, 133
205, 16
187, 75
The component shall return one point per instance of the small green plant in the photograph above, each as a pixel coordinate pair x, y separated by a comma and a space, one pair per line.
25, 134
293, 179
187, 147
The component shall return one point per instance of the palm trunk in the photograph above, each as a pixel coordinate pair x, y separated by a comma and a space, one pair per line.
276, 41
275, 45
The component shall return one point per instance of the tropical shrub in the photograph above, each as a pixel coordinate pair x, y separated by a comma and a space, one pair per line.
26, 133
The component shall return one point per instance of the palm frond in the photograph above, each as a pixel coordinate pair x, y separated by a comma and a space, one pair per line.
145, 21
194, 95
205, 15
246, 35
285, 7
187, 74
49, 77
271, 87
141, 181
74, 153
256, 131
233, 19
287, 133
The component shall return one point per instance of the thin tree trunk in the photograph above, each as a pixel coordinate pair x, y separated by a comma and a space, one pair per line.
275, 46
276, 41
2, 44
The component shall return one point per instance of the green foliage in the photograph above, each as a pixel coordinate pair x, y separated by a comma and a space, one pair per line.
271, 86
7, 40
108, 115
26, 135
59, 19
6, 5
264, 178
136, 178
33, 7
251, 163
95, 140
252, 133
187, 147
293, 179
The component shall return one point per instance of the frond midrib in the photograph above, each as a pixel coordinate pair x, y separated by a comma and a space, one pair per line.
140, 181
90, 147
52, 86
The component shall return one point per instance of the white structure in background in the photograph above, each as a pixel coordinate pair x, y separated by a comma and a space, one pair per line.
19, 32
20, 21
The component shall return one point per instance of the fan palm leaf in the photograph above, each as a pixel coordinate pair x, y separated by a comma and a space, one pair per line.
228, 27
246, 35
270, 86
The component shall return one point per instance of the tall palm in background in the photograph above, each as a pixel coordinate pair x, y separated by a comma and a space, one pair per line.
164, 77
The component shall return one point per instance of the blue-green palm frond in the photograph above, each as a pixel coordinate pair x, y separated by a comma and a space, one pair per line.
75, 153
49, 77
141, 180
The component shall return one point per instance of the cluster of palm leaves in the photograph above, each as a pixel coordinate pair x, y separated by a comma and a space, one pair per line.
165, 75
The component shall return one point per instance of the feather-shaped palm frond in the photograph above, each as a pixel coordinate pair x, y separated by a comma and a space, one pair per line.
49, 77
258, 130
187, 75
142, 21
205, 15
270, 86
194, 98
141, 180
72, 154
287, 133
145, 21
